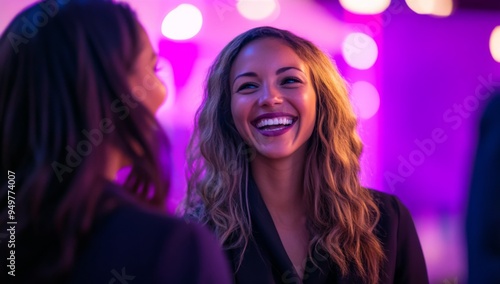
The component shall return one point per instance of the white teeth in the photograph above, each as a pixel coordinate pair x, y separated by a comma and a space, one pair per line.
274, 121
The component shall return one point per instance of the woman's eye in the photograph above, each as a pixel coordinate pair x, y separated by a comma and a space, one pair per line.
247, 86
290, 80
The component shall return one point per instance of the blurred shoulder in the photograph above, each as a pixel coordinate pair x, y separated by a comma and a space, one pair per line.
129, 215
493, 105
491, 114
145, 220
151, 247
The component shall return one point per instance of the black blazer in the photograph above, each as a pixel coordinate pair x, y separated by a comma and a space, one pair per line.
265, 259
129, 244
133, 245
483, 215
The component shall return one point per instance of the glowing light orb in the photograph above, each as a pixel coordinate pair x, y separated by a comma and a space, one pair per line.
359, 50
365, 7
258, 9
183, 22
495, 43
365, 99
440, 8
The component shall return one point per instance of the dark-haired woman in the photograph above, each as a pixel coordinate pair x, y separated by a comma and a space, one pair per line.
78, 93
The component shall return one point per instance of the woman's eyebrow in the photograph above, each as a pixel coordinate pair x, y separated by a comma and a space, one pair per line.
246, 74
283, 69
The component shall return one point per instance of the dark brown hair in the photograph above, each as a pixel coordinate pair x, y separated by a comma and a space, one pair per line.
64, 101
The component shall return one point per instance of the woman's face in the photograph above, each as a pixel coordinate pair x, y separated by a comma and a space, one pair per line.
273, 102
146, 87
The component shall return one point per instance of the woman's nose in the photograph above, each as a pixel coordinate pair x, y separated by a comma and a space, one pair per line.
271, 96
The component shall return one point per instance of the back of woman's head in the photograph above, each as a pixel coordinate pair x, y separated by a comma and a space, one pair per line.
65, 104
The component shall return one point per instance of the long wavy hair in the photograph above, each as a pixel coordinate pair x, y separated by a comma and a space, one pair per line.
63, 79
342, 215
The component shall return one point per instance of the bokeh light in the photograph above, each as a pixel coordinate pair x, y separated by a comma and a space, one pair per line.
365, 7
495, 43
182, 23
257, 10
359, 50
365, 99
440, 8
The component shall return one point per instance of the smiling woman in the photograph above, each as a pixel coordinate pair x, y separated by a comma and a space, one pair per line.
273, 102
293, 211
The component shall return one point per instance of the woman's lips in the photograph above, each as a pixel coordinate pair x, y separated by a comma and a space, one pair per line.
274, 124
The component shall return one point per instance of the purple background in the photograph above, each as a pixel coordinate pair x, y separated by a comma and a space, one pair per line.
427, 67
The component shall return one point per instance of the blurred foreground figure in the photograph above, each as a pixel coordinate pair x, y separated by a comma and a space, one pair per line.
78, 93
483, 216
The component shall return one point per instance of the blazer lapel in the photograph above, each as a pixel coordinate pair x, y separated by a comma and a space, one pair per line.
267, 249
267, 236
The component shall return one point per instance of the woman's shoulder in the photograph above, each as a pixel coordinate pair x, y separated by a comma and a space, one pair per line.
128, 213
396, 230
395, 218
146, 220
157, 247
388, 204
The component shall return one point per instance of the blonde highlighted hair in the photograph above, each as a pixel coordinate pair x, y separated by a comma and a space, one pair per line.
342, 215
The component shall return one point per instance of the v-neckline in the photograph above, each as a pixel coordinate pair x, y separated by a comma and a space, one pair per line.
266, 231
266, 235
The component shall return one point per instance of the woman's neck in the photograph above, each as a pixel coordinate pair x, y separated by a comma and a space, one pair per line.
281, 185
280, 182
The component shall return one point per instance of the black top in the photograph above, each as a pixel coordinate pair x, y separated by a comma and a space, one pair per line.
133, 245
483, 215
266, 261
